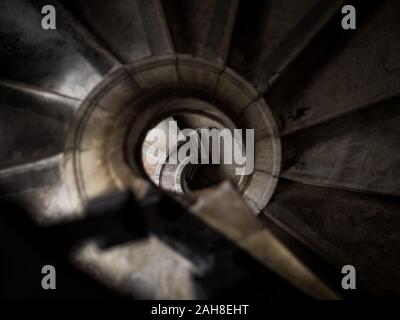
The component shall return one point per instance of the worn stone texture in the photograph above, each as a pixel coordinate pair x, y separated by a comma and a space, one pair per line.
342, 71
75, 103
363, 227
357, 152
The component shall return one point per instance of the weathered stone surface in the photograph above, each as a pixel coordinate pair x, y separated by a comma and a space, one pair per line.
362, 227
332, 78
358, 152
47, 59
131, 29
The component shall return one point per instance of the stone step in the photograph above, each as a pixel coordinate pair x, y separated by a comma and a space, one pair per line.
342, 71
45, 58
202, 28
131, 29
359, 152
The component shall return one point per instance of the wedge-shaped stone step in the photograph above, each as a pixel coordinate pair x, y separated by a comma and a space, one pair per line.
342, 71
131, 29
202, 28
23, 177
44, 58
359, 152
25, 134
261, 27
363, 227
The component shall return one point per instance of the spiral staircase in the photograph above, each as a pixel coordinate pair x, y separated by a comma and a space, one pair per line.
77, 102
